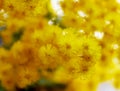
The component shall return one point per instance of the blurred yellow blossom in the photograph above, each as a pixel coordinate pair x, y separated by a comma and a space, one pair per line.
78, 48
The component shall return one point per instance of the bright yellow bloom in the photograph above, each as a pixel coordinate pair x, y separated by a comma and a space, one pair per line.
41, 7
26, 76
87, 53
49, 56
79, 49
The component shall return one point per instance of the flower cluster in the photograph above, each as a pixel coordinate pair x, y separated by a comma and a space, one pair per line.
79, 48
